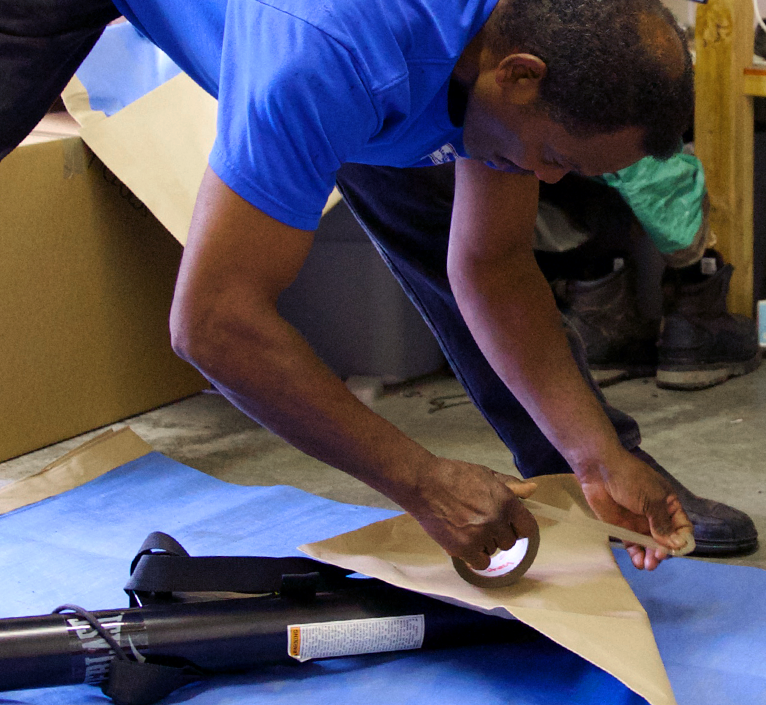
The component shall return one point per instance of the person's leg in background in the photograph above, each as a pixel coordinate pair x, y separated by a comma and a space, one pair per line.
406, 213
587, 249
42, 43
592, 255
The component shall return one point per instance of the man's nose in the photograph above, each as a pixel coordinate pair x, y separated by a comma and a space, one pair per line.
550, 173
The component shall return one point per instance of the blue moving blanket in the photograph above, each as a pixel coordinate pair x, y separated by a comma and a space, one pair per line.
709, 619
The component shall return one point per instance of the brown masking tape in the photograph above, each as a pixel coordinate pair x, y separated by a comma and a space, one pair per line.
539, 509
505, 567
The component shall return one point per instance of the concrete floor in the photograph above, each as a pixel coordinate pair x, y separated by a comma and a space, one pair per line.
713, 440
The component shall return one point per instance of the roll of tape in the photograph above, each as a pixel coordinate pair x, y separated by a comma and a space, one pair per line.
505, 567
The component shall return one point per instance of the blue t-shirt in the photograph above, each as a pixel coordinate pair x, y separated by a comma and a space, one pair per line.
307, 85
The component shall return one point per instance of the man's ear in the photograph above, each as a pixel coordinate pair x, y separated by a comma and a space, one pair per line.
519, 76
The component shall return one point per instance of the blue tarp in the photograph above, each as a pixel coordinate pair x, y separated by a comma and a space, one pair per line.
709, 619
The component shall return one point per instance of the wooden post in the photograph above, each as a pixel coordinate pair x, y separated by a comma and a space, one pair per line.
723, 134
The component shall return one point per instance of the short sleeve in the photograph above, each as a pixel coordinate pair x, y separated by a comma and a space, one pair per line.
292, 109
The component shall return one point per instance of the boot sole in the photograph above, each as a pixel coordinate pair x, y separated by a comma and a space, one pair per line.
693, 377
721, 549
607, 375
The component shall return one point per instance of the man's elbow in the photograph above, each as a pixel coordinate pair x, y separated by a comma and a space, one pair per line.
197, 334
221, 334
185, 338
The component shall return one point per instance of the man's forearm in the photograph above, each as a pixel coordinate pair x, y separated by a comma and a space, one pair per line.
269, 372
510, 310
263, 365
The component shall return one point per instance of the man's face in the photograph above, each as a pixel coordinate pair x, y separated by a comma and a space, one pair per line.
505, 135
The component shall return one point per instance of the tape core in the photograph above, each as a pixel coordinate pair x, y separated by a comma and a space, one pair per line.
502, 562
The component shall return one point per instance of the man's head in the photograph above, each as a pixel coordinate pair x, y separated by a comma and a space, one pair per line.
595, 84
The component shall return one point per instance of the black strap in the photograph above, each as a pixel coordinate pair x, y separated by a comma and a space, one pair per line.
163, 567
143, 683
158, 543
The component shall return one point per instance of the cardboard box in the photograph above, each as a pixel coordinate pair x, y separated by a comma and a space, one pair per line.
344, 301
86, 282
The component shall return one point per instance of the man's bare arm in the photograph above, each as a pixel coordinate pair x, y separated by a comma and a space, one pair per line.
510, 310
225, 321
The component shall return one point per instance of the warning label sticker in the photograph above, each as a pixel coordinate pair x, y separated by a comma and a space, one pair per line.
355, 636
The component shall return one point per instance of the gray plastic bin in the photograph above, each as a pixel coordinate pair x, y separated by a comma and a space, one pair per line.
353, 312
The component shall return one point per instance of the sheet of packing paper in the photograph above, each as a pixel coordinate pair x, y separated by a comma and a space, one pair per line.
92, 459
573, 593
709, 619
156, 143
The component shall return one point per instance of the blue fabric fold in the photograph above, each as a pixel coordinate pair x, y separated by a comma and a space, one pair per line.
122, 67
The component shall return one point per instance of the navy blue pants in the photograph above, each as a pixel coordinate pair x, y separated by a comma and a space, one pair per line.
406, 212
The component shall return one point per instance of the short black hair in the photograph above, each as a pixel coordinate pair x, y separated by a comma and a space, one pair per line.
611, 64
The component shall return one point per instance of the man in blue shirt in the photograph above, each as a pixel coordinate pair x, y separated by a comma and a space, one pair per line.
357, 92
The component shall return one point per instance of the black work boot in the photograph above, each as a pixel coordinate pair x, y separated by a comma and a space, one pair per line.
701, 344
719, 530
604, 311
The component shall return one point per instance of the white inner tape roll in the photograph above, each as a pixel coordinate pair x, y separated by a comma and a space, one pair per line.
505, 567
502, 562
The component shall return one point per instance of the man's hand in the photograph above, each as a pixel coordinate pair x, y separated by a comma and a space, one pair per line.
470, 510
630, 493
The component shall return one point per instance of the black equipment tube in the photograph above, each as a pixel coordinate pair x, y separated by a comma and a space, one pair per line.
219, 635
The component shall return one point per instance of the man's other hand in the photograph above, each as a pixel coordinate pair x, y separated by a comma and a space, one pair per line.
629, 493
